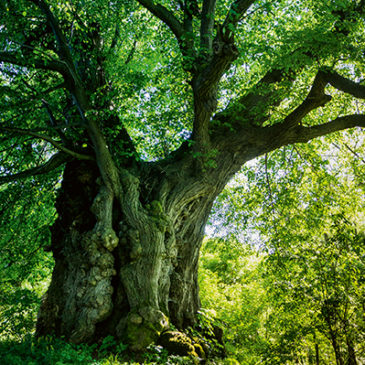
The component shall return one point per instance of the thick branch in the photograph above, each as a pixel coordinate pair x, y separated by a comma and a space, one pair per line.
207, 25
240, 111
64, 50
257, 141
205, 86
341, 83
315, 99
55, 161
105, 162
304, 134
205, 82
187, 43
253, 141
46, 138
252, 108
238, 8
165, 15
19, 60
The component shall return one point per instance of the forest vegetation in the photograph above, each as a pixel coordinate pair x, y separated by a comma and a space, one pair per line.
182, 182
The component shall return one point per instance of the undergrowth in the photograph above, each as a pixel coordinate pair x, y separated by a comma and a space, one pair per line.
55, 351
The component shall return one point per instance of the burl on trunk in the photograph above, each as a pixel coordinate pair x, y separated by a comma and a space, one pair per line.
126, 267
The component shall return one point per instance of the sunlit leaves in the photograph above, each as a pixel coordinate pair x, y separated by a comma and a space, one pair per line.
304, 206
26, 211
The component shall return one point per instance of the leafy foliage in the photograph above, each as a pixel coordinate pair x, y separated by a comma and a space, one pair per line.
26, 214
301, 220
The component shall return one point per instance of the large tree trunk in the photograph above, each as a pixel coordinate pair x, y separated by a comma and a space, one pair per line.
131, 279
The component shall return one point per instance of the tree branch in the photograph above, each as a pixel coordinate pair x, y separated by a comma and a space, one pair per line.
165, 15
351, 150
206, 80
19, 60
244, 110
48, 139
64, 50
304, 134
238, 8
31, 101
341, 83
240, 111
131, 53
53, 121
115, 38
187, 43
104, 159
315, 99
55, 161
207, 25
269, 185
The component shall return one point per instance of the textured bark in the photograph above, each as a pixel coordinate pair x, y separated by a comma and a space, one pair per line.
128, 268
80, 292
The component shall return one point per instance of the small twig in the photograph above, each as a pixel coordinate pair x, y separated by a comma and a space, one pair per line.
14, 145
54, 162
351, 150
48, 139
131, 53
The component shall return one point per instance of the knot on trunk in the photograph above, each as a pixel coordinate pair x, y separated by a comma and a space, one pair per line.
157, 215
226, 50
106, 237
102, 208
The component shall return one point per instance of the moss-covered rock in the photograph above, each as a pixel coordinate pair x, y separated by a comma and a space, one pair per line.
140, 336
178, 343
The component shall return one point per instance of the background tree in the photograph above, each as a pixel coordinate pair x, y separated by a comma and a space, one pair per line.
94, 86
232, 290
308, 234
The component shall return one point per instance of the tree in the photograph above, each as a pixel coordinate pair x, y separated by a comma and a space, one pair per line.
309, 207
90, 87
232, 287
311, 226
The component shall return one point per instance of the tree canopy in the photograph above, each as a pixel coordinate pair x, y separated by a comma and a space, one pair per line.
259, 68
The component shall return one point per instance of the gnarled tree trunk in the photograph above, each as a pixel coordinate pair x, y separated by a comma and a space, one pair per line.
134, 278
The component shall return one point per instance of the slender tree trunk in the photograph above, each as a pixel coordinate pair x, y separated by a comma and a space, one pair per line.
336, 349
351, 353
316, 348
131, 279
